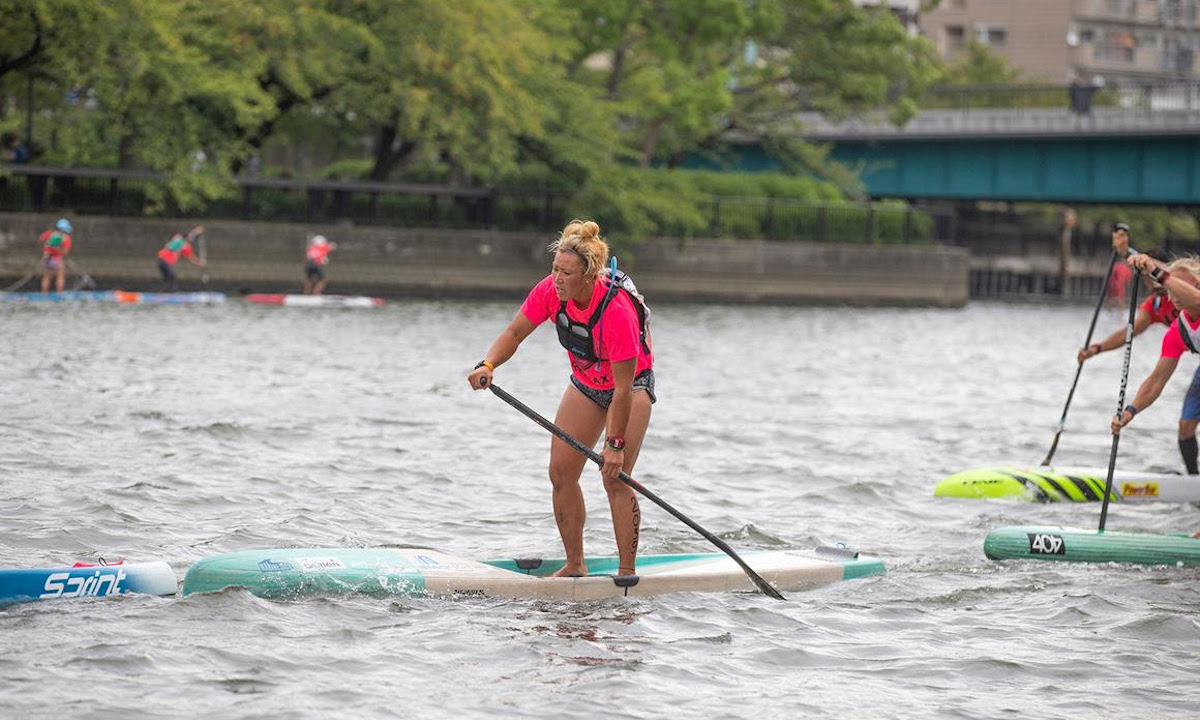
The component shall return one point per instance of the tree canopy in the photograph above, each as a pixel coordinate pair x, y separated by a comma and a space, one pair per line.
574, 94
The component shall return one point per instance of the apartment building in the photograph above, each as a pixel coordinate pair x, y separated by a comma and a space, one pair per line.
1111, 42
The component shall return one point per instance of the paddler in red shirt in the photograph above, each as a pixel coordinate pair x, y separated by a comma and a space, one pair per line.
56, 245
177, 247
316, 257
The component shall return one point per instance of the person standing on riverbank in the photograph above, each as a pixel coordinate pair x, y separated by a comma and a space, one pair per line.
179, 246
611, 388
316, 257
1118, 279
56, 245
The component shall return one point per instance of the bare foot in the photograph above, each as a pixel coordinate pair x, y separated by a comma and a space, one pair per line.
571, 571
1196, 534
626, 571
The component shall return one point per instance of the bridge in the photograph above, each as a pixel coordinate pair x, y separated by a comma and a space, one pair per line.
1136, 145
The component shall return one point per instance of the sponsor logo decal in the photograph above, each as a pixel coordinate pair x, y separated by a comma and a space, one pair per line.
320, 563
270, 566
426, 561
101, 583
1047, 544
1149, 489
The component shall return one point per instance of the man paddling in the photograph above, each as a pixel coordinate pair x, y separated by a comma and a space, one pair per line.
611, 389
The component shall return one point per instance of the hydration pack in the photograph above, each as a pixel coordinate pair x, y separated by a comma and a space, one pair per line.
578, 338
1191, 338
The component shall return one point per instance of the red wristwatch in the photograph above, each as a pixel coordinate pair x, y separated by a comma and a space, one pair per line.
615, 442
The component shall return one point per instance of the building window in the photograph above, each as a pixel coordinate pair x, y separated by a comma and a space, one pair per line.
956, 37
991, 35
1121, 7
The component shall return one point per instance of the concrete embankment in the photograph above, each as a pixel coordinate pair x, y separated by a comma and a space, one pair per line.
251, 257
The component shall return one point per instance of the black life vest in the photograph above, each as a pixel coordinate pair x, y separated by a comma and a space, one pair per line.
1191, 338
578, 338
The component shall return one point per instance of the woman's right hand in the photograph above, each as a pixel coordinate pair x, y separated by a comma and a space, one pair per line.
480, 377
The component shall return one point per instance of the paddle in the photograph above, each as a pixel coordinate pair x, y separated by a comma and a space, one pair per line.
1112, 456
1062, 421
561, 434
202, 251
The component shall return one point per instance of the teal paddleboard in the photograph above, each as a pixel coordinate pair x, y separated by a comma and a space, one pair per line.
298, 572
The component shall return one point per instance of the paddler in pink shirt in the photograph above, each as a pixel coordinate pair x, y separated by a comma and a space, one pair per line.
604, 329
316, 257
1181, 278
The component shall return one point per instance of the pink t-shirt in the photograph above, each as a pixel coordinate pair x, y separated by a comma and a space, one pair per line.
1172, 344
617, 333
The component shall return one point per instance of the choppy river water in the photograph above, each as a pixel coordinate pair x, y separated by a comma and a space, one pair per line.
179, 432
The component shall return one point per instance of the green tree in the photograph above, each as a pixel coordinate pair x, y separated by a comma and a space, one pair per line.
980, 65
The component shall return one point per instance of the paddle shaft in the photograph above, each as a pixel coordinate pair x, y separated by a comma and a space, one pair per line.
563, 435
1112, 456
202, 251
1062, 421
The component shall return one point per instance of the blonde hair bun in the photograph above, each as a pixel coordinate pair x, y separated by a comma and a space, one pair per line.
582, 237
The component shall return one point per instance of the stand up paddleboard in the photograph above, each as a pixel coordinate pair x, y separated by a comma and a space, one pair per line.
1073, 484
355, 301
118, 296
85, 580
1077, 545
317, 571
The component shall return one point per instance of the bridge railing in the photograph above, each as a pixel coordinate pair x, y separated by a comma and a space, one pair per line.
29, 188
1163, 96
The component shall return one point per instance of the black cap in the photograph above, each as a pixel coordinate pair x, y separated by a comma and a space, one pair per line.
1121, 226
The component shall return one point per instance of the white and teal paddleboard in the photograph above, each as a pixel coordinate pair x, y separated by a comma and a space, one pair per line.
83, 581
1068, 484
316, 571
1078, 545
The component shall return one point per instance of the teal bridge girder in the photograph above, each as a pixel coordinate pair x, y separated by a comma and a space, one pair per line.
1149, 154
1136, 169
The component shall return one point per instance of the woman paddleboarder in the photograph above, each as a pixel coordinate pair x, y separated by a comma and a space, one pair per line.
603, 327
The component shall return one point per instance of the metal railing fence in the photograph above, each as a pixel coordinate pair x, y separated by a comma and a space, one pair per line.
135, 193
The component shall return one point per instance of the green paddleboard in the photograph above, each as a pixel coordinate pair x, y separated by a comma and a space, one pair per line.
1078, 545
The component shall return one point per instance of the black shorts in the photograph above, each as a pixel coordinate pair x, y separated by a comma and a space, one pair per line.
603, 398
314, 270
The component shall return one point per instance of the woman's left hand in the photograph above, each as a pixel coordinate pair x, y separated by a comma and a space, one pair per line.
1142, 263
614, 461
